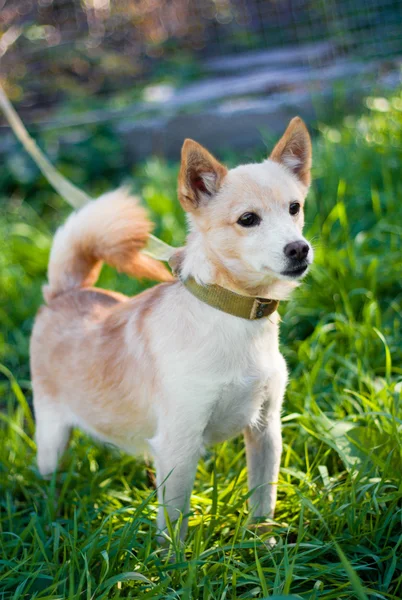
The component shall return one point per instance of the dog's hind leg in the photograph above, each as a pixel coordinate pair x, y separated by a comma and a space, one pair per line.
52, 435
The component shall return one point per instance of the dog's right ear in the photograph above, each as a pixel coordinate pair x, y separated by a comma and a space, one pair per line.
200, 175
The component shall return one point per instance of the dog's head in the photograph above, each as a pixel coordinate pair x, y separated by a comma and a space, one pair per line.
251, 217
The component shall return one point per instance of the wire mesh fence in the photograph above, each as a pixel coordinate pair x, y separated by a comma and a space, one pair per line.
97, 60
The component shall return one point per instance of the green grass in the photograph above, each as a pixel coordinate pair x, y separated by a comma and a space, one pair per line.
89, 533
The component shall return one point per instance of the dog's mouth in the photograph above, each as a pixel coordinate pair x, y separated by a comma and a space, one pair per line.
296, 271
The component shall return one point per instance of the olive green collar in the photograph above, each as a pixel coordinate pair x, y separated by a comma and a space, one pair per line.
246, 307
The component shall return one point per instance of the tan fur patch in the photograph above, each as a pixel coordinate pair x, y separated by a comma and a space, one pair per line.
79, 343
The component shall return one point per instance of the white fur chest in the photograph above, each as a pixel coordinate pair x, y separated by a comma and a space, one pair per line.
236, 404
239, 398
220, 367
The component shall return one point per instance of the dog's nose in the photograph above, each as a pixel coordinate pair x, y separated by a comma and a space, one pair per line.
296, 250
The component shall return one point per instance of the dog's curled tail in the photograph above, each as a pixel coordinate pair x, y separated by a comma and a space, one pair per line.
111, 229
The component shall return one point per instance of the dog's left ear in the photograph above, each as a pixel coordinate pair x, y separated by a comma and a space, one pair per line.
294, 150
200, 175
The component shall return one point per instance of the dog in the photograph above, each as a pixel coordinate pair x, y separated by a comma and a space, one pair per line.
194, 360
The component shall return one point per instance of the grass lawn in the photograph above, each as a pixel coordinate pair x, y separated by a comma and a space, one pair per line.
89, 533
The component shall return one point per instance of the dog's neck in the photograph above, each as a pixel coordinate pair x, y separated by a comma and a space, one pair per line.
195, 260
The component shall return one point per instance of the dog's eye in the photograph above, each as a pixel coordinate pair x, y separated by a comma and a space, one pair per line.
249, 220
294, 208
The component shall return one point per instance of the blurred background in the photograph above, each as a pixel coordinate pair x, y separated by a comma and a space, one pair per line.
221, 71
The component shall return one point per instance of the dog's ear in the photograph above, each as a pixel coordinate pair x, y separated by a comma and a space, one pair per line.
200, 175
294, 150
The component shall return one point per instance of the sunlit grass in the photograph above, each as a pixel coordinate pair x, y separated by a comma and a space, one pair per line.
89, 533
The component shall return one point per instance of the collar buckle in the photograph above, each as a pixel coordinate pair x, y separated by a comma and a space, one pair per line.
259, 308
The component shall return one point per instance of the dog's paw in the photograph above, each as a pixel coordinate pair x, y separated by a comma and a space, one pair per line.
270, 543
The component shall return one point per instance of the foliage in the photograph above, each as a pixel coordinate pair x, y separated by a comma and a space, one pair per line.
90, 531
55, 55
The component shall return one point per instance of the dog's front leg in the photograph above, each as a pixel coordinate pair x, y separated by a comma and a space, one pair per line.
176, 456
264, 448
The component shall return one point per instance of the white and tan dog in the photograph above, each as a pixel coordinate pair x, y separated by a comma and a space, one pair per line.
165, 372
